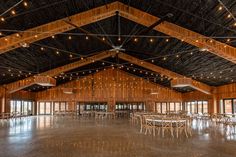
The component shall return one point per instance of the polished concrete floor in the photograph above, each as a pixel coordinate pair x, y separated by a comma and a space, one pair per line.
46, 136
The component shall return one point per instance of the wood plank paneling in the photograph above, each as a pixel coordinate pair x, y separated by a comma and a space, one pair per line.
226, 91
110, 85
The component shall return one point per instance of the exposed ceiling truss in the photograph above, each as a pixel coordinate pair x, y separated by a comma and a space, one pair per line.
18, 85
93, 15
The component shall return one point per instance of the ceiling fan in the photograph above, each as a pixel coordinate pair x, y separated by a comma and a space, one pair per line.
119, 48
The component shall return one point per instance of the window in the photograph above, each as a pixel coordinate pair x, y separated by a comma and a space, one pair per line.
197, 107
47, 108
25, 107
200, 109
63, 106
57, 106
163, 107
205, 107
18, 106
41, 108
189, 107
177, 106
234, 105
158, 107
13, 106
132, 106
21, 106
172, 106
140, 107
228, 106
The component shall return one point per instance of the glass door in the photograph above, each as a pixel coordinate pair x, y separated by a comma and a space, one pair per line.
228, 106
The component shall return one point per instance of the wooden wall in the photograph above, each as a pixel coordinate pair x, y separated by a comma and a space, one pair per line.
226, 91
19, 95
110, 86
199, 96
221, 92
113, 85
2, 99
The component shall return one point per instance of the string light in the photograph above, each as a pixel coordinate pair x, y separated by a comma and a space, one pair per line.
0, 33
42, 48
86, 37
167, 40
119, 39
57, 52
151, 40
229, 16
13, 12
135, 39
25, 4
69, 37
103, 38
2, 19
71, 55
53, 36
220, 8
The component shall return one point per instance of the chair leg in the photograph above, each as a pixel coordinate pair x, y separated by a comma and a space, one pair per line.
159, 131
172, 134
177, 132
185, 130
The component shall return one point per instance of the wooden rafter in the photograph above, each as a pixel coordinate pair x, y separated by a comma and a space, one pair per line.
218, 48
21, 84
47, 30
93, 15
194, 84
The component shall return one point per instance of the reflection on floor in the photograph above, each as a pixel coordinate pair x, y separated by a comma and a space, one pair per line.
47, 136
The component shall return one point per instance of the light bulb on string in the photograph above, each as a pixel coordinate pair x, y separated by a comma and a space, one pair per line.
25, 4
13, 12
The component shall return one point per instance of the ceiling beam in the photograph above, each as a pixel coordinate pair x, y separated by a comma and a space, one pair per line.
39, 80
93, 15
175, 76
47, 30
213, 46
21, 84
189, 82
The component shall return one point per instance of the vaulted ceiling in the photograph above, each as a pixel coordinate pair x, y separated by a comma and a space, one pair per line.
204, 17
